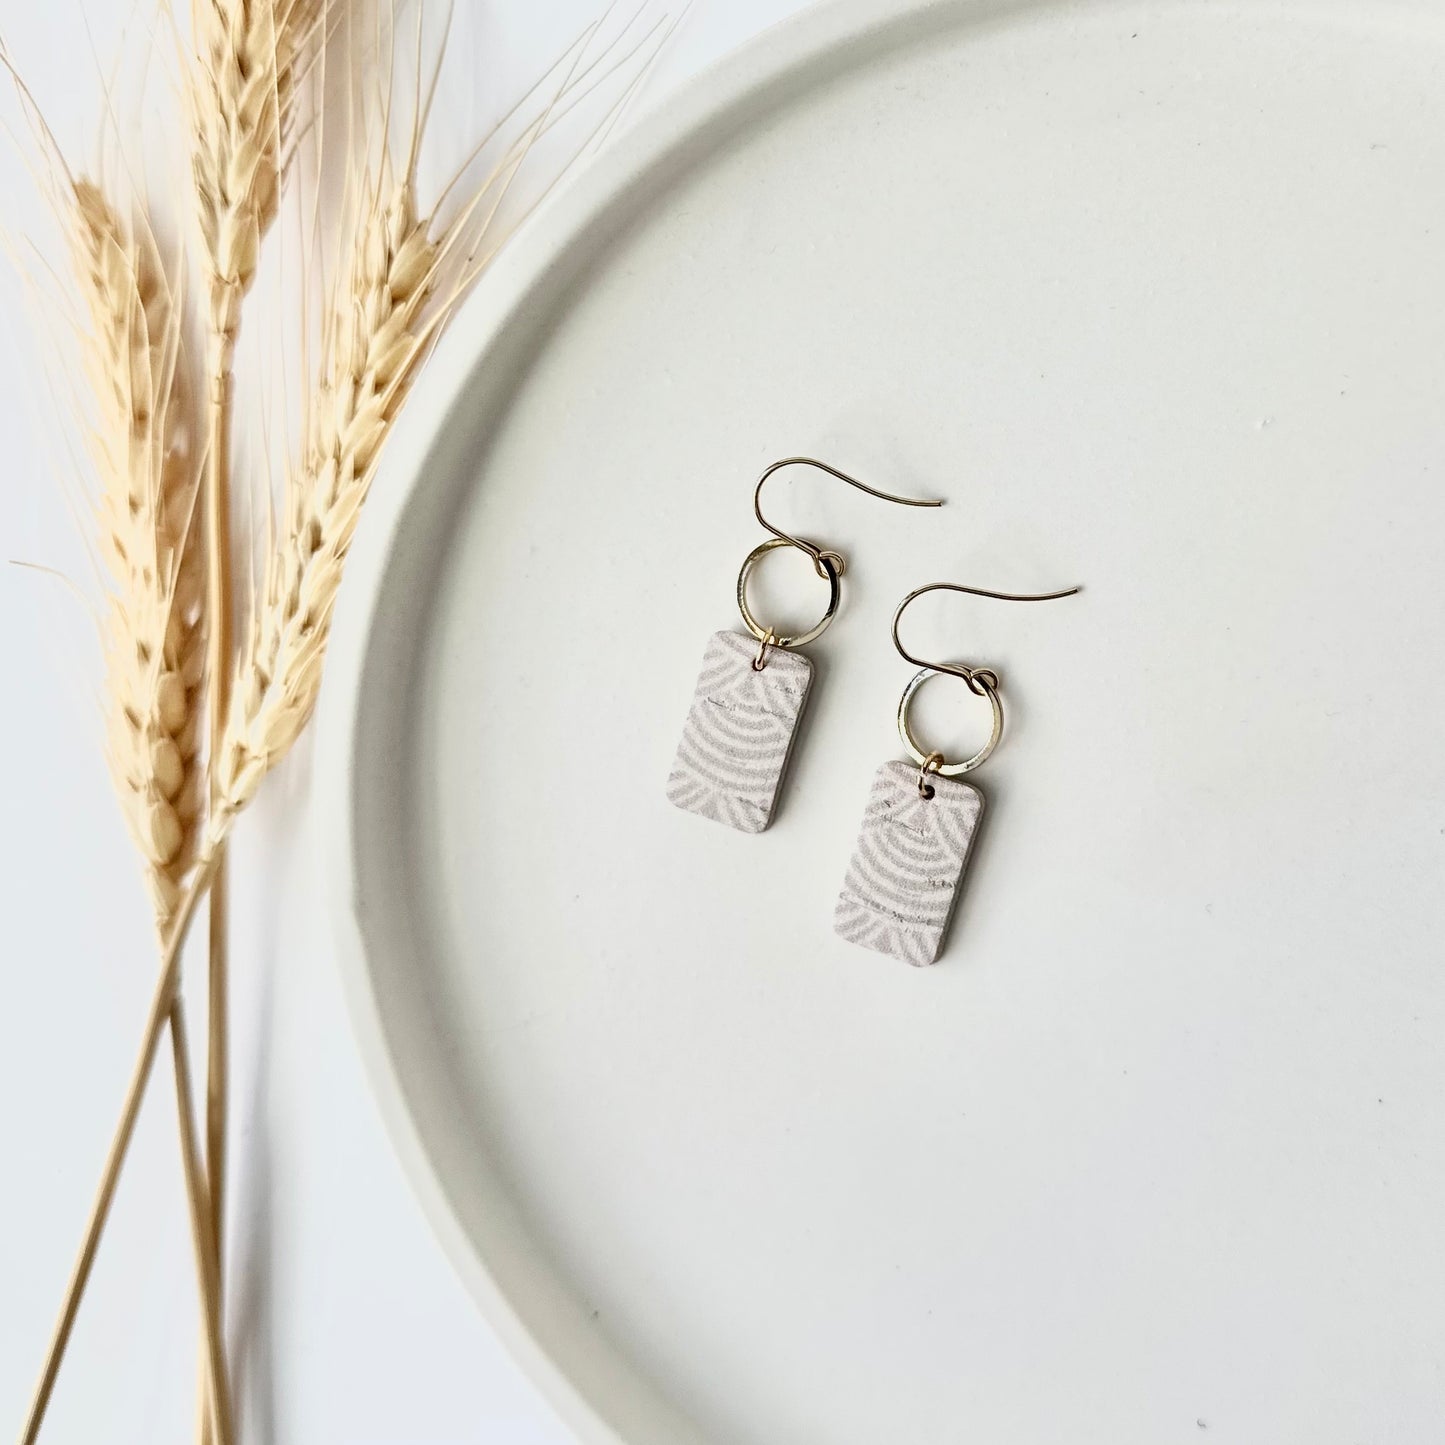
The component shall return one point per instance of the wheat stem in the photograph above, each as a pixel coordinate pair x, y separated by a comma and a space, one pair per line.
161, 1010
219, 610
202, 1240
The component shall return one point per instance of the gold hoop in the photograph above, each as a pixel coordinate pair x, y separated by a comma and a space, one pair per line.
767, 634
925, 759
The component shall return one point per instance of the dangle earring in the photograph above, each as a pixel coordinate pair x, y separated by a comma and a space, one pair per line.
752, 691
918, 828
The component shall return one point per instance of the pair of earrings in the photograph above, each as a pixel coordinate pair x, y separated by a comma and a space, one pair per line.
920, 821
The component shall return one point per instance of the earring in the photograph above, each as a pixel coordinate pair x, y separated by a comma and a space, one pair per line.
751, 693
918, 828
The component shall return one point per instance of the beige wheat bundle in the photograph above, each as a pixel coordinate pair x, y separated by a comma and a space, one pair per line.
400, 270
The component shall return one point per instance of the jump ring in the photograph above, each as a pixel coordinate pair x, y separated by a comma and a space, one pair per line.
988, 683
761, 660
930, 764
835, 593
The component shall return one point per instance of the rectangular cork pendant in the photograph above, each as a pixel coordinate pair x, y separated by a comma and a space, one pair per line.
903, 882
739, 732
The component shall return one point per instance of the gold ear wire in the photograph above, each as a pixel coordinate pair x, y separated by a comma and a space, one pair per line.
811, 548
977, 678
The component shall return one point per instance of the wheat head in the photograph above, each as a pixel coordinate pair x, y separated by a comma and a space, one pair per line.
377, 331
242, 93
142, 441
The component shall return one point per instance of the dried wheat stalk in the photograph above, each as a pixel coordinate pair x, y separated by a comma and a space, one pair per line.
141, 436
243, 97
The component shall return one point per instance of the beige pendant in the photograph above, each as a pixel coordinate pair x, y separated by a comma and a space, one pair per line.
903, 881
739, 732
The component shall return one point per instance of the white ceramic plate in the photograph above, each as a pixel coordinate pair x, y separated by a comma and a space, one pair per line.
1154, 293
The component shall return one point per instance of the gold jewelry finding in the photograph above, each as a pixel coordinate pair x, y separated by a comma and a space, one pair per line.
829, 565
982, 681
835, 594
930, 764
924, 759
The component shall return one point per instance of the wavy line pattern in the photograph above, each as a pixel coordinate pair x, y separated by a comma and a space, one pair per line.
902, 884
739, 732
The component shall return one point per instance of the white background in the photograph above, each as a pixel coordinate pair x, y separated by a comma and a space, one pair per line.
1163, 316
347, 1323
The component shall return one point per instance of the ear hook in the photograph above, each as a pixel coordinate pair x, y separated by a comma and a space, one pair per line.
819, 556
980, 680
